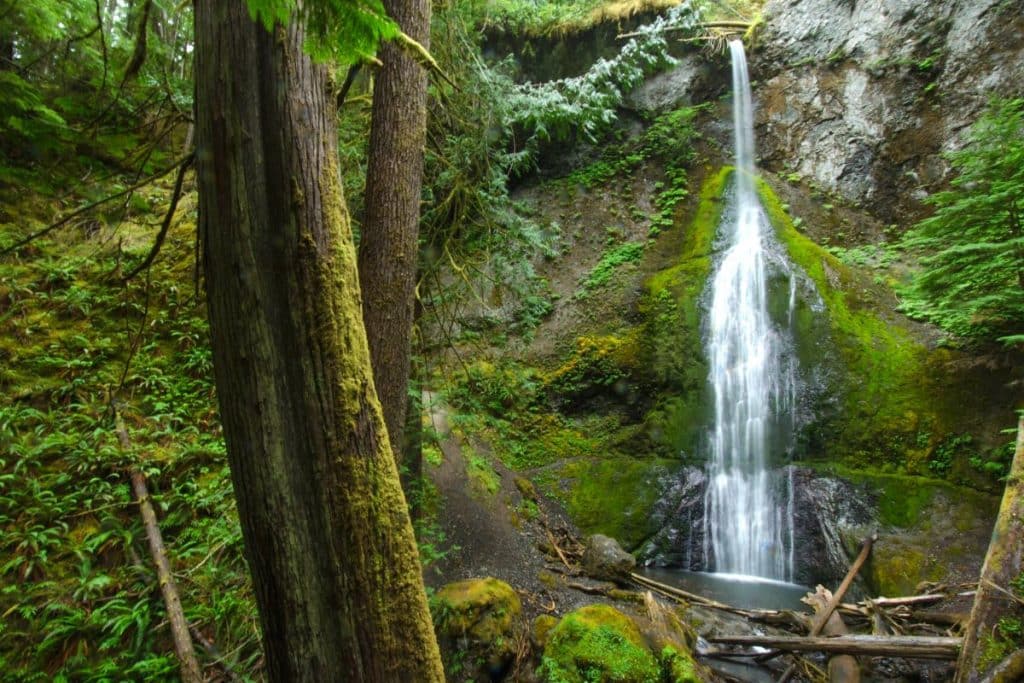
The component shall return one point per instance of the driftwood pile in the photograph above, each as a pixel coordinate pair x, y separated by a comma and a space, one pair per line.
900, 627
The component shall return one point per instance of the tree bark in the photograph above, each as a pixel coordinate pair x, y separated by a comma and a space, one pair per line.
1003, 564
389, 239
327, 534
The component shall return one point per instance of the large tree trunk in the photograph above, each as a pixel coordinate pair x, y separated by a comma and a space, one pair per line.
327, 534
1003, 565
389, 239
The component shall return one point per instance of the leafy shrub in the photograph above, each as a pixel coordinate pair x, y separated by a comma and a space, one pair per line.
972, 281
611, 260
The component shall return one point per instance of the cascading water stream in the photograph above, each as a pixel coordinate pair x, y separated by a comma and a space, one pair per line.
748, 507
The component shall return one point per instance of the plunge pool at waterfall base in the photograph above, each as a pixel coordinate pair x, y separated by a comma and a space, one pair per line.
737, 590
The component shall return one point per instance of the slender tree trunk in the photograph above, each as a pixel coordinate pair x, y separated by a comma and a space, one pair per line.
1003, 564
412, 435
388, 248
335, 567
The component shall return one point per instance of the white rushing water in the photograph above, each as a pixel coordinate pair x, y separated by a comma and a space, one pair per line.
748, 508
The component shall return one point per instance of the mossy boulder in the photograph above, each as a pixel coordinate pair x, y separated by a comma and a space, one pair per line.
598, 644
679, 665
599, 367
479, 625
541, 631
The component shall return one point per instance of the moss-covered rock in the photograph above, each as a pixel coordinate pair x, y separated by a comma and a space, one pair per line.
604, 558
598, 644
883, 384
479, 625
602, 367
930, 530
608, 494
671, 346
679, 665
542, 627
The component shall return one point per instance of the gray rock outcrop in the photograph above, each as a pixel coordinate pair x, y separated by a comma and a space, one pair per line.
862, 97
604, 558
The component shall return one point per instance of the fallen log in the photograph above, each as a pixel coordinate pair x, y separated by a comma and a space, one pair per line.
940, 618
911, 600
766, 616
190, 672
825, 607
911, 647
730, 26
842, 668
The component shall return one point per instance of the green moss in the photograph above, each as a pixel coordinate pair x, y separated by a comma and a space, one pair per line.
679, 666
671, 347
597, 643
997, 646
542, 627
597, 366
485, 480
478, 624
611, 260
481, 609
897, 572
611, 495
889, 404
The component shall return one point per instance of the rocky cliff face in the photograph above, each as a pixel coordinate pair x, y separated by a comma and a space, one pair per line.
861, 97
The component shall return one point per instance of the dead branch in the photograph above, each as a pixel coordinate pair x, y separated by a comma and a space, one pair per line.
561, 555
590, 590
190, 672
214, 653
912, 647
168, 217
418, 52
774, 617
825, 607
820, 620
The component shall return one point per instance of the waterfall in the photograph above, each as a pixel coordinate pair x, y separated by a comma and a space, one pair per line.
748, 511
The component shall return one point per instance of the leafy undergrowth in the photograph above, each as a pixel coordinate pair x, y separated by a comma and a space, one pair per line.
80, 598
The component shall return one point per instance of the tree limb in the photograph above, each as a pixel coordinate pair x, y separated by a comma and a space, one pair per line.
166, 225
190, 672
423, 56
914, 647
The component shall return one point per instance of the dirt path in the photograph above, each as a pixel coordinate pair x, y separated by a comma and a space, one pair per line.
484, 535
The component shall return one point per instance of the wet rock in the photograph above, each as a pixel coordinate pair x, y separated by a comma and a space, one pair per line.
830, 517
604, 558
679, 516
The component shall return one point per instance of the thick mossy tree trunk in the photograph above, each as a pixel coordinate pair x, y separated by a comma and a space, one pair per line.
1003, 566
388, 246
327, 534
